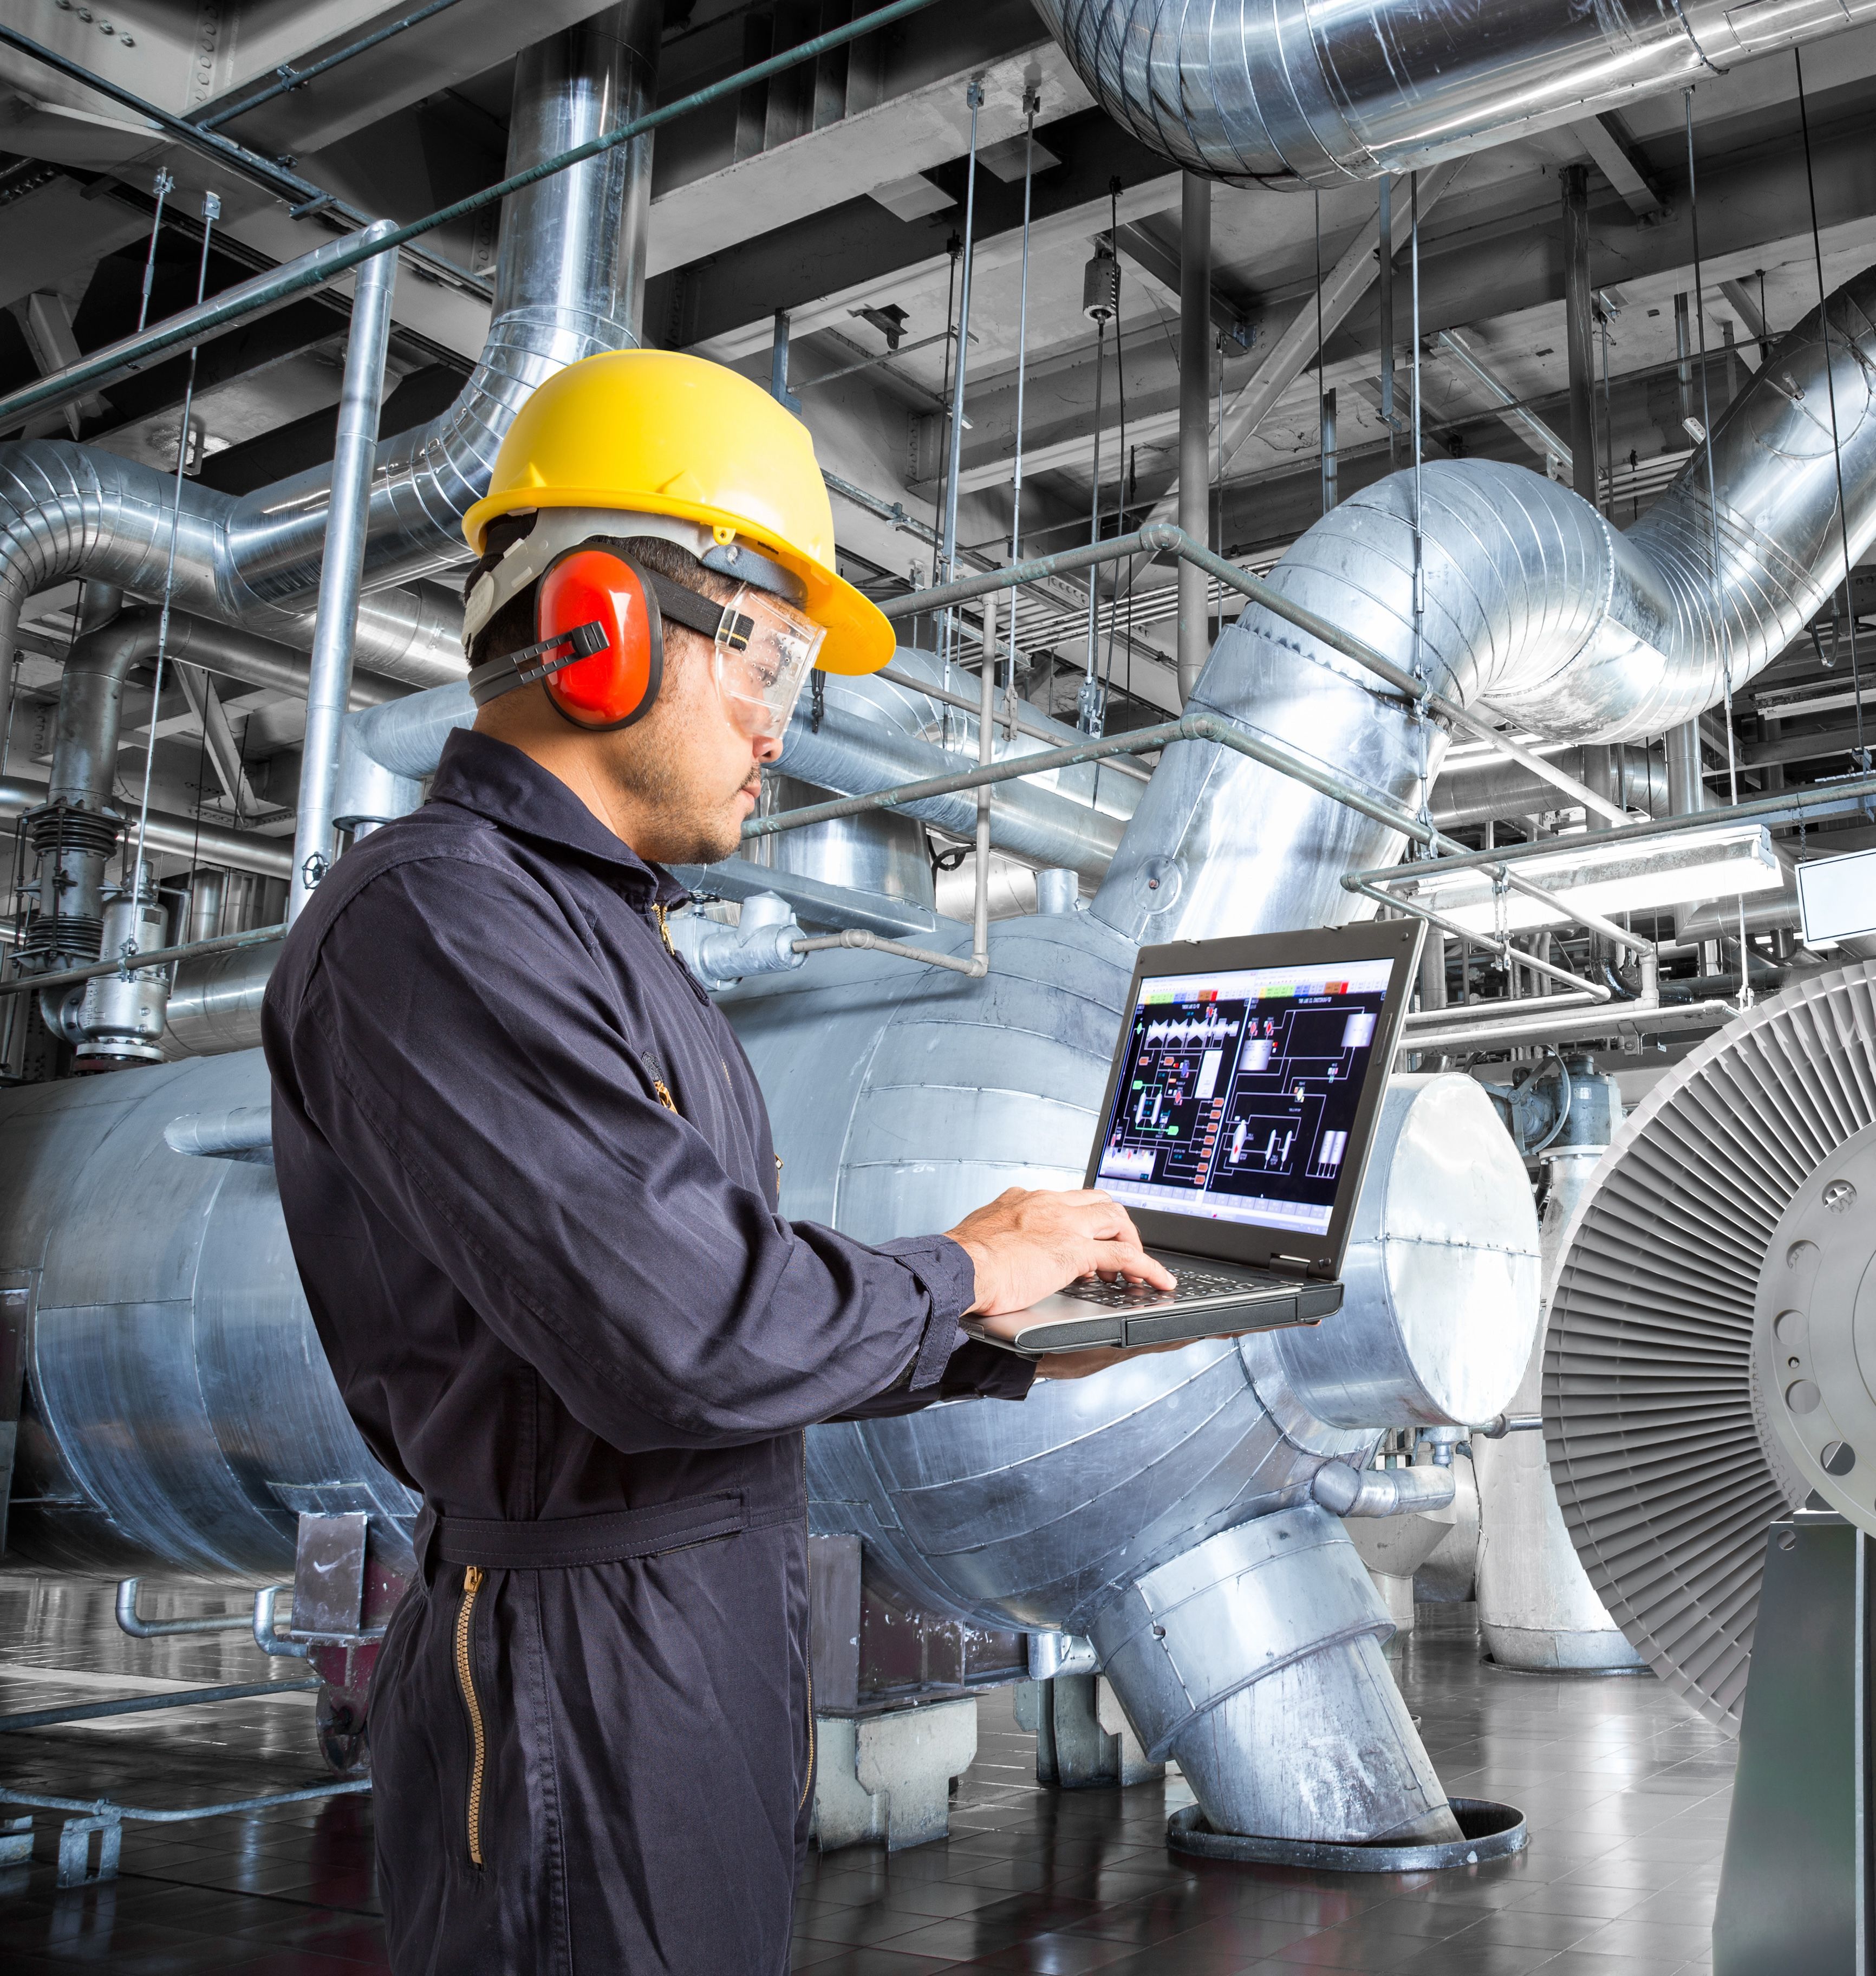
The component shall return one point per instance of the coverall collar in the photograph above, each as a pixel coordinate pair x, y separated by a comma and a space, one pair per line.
496, 780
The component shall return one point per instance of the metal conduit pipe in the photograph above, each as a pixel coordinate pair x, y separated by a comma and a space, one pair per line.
1533, 604
1300, 93
568, 283
185, 836
1504, 788
68, 510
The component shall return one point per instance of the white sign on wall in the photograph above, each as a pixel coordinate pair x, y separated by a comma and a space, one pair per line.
1837, 896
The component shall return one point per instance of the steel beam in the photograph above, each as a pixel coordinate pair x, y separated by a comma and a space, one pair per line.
1612, 152
1295, 347
1581, 347
1195, 422
1542, 439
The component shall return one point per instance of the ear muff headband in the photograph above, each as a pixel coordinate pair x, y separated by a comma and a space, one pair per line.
600, 656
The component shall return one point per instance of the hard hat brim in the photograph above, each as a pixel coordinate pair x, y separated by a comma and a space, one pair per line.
859, 637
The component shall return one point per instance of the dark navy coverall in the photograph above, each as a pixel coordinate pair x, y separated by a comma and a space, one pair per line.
527, 1176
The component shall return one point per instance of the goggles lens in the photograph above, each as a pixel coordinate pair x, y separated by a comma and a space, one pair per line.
760, 673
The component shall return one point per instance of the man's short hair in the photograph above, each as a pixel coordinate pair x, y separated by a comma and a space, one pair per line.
513, 626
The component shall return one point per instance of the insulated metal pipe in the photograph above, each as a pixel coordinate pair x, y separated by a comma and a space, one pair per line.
330, 675
185, 836
1296, 93
1195, 420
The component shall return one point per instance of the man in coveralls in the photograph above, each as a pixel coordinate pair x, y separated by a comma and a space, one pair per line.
529, 1179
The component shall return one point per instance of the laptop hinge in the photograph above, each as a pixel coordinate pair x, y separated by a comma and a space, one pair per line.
1303, 1266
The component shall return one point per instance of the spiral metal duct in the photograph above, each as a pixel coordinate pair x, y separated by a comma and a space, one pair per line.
1676, 1428
1533, 603
1301, 93
569, 275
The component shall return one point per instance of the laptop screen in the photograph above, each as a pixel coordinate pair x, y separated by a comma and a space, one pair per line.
1239, 1090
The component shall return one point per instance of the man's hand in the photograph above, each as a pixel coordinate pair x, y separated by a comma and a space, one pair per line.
1026, 1244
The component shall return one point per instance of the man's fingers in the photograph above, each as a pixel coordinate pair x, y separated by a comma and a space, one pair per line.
1129, 1259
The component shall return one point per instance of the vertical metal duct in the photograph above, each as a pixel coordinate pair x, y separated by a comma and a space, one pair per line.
569, 283
1301, 93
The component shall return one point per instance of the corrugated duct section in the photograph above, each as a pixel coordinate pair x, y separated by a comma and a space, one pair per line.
1666, 1479
1308, 93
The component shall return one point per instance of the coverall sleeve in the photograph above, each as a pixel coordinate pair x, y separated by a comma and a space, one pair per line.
463, 1053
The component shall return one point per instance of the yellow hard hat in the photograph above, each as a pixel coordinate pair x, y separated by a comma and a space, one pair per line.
657, 432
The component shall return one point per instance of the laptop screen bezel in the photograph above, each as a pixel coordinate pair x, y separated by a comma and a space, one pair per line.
1397, 941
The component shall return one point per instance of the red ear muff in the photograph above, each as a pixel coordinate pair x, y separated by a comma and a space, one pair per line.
616, 684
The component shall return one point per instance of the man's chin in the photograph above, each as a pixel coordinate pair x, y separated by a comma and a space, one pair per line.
706, 846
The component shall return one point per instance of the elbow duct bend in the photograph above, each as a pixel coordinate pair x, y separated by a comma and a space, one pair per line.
1345, 1491
1298, 93
569, 278
1534, 605
1537, 605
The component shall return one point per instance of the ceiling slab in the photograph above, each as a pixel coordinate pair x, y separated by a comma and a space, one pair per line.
903, 135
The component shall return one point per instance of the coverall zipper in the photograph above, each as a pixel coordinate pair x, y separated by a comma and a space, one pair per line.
465, 1676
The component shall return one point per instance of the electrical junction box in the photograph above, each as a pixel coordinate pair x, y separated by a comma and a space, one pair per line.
1837, 896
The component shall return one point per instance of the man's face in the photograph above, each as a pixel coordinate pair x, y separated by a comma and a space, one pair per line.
690, 774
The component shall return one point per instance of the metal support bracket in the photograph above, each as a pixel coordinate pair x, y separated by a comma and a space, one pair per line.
74, 1849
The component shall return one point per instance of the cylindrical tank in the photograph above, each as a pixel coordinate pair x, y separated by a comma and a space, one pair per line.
180, 1411
1538, 1611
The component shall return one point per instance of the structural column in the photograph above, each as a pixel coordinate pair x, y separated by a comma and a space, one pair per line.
1195, 399
1578, 330
1686, 787
330, 675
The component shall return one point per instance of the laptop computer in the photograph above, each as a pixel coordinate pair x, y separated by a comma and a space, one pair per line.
1236, 1129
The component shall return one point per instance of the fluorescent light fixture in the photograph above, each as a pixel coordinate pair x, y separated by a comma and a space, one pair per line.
1837, 896
1724, 861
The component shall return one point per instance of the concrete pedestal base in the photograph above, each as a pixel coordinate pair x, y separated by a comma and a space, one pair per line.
886, 1779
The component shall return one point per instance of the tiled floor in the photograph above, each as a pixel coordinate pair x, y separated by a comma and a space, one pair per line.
1625, 1789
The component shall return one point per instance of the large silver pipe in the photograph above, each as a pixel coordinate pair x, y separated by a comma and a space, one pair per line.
215, 1006
1534, 604
570, 274
569, 284
68, 510
341, 566
1301, 93
865, 734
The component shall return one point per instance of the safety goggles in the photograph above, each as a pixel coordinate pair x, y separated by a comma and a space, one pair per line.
764, 651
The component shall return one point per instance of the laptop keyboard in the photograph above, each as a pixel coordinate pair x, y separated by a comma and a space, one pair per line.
1193, 1284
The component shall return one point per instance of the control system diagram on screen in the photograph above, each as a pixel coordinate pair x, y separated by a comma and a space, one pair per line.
1243, 1091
